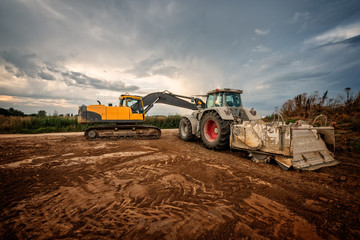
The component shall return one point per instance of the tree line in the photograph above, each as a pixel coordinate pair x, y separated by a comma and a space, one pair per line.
13, 112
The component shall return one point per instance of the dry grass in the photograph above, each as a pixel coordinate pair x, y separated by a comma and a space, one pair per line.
341, 109
16, 124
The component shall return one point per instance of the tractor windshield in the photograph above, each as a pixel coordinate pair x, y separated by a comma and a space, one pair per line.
233, 99
220, 99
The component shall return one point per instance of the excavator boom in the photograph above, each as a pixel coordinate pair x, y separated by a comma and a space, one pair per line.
169, 98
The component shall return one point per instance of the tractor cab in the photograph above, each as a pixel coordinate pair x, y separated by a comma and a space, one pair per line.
224, 98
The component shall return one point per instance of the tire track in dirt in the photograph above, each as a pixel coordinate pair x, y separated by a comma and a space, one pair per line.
121, 193
160, 189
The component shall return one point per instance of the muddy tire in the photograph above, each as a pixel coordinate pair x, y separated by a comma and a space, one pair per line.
215, 132
185, 129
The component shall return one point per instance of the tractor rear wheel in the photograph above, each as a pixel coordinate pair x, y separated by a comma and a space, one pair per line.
185, 129
215, 132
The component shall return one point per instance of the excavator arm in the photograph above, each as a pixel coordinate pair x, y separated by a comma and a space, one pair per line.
169, 98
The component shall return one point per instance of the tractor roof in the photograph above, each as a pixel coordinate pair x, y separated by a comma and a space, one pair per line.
226, 90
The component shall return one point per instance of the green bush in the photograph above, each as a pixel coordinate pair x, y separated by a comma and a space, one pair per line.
269, 118
164, 122
34, 124
290, 121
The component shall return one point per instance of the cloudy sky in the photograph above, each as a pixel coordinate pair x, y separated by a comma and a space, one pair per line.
57, 55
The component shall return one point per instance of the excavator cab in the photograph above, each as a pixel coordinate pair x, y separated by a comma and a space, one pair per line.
135, 106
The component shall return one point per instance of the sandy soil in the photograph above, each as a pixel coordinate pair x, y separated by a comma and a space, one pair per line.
64, 186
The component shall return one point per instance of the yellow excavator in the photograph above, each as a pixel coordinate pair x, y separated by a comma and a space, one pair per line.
122, 119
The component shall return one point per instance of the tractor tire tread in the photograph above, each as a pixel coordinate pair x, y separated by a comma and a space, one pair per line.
224, 126
188, 136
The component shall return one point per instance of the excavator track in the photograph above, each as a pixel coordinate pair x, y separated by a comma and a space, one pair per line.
123, 131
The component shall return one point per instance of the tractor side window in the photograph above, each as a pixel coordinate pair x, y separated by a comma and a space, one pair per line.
210, 101
219, 100
233, 100
135, 105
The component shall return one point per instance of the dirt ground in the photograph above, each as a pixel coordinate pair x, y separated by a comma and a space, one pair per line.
64, 186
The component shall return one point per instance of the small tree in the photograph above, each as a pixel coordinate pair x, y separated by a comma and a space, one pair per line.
349, 98
41, 114
14, 112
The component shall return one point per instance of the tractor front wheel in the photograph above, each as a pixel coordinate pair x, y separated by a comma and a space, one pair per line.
215, 132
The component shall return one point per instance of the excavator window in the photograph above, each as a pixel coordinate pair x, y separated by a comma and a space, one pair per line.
135, 105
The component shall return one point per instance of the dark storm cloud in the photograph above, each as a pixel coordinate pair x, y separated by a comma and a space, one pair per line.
299, 76
39, 94
10, 69
25, 65
299, 17
153, 66
354, 41
46, 76
169, 71
23, 62
351, 42
80, 79
52, 69
289, 46
144, 68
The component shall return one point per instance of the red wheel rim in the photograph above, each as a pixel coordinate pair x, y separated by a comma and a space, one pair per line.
211, 130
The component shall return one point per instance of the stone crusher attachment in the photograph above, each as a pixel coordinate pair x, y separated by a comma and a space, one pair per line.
301, 145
